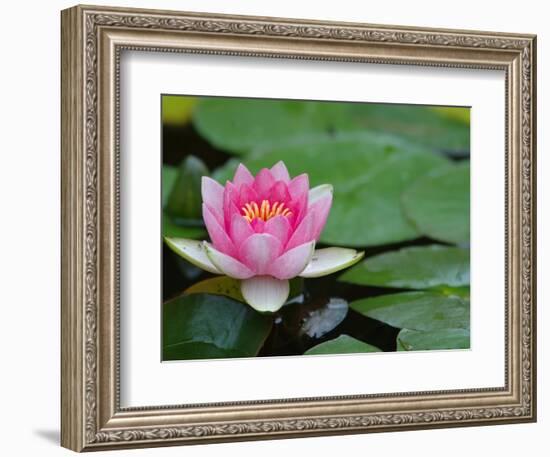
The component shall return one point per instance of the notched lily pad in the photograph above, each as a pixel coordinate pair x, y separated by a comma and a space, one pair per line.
202, 326
240, 125
416, 310
419, 267
438, 204
220, 285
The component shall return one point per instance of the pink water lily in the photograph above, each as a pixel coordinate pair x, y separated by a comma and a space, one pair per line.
263, 231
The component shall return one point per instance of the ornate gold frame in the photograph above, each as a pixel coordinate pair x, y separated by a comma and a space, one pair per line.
92, 40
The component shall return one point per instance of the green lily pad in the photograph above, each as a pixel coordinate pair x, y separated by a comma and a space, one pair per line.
240, 125
439, 204
420, 267
220, 285
369, 174
412, 340
443, 130
201, 326
344, 344
416, 310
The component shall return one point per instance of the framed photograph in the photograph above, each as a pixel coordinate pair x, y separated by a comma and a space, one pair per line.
280, 228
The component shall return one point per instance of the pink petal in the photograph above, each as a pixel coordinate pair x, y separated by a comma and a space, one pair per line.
299, 209
218, 215
321, 208
279, 193
258, 225
259, 251
230, 202
299, 186
226, 264
280, 172
263, 183
212, 194
247, 194
279, 227
219, 237
292, 262
231, 193
303, 233
242, 176
240, 230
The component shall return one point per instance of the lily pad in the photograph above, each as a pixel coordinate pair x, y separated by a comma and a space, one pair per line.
369, 174
443, 129
220, 285
241, 125
202, 326
412, 340
420, 267
344, 344
416, 310
439, 204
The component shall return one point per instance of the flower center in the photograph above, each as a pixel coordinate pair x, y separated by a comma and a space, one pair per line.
264, 211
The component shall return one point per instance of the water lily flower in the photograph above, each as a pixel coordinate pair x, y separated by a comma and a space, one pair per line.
263, 231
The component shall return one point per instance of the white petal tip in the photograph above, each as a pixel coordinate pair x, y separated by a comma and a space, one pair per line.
330, 260
265, 293
319, 192
193, 251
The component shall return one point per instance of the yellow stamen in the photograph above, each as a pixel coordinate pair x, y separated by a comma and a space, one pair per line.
265, 211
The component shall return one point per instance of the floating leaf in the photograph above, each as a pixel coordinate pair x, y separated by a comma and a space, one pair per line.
443, 131
220, 285
344, 344
421, 267
202, 326
369, 174
416, 310
412, 340
240, 125
439, 204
